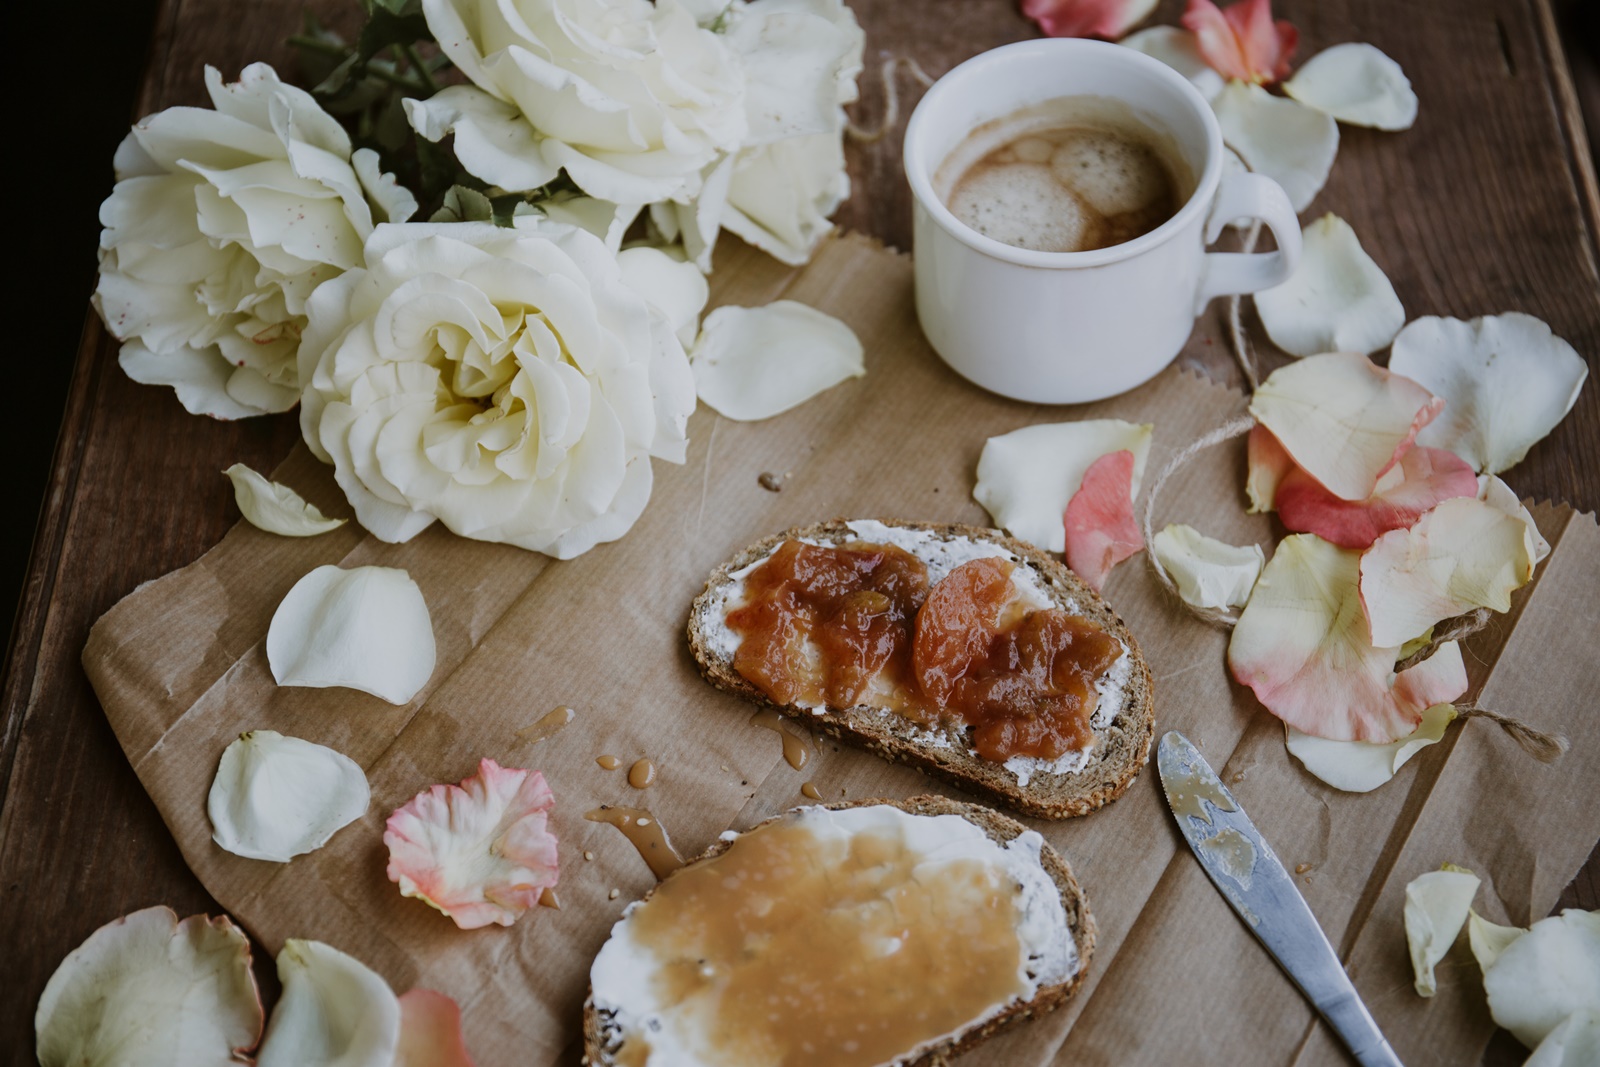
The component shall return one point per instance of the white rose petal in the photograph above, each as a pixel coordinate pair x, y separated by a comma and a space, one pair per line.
753, 363
1574, 1043
1209, 573
1506, 379
1489, 939
1290, 143
334, 1012
1546, 975
800, 58
674, 287
1337, 300
146, 985
366, 628
276, 508
1358, 84
781, 195
1497, 494
605, 220
1026, 477
1436, 908
221, 225
1360, 766
533, 426
1177, 48
277, 797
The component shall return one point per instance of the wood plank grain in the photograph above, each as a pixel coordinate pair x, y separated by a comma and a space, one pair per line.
1481, 208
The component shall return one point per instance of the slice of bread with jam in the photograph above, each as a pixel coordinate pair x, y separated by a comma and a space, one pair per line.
1073, 783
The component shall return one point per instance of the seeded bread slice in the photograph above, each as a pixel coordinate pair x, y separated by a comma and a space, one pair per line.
1121, 746
602, 1041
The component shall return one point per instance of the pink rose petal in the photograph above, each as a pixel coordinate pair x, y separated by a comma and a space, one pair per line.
430, 1032
1424, 478
1302, 645
1101, 531
1268, 463
480, 851
1242, 41
1108, 19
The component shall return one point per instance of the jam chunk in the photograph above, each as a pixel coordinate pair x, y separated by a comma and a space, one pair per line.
857, 622
822, 622
1023, 679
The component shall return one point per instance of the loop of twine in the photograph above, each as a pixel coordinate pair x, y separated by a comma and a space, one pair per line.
1226, 432
891, 98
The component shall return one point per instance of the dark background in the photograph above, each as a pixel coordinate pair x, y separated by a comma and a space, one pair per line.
73, 93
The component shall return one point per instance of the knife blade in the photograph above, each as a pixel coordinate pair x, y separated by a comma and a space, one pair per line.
1253, 880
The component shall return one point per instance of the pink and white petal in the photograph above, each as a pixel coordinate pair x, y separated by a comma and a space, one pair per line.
1301, 644
1464, 554
1108, 19
1439, 679
1027, 477
149, 991
430, 1032
1178, 49
1290, 143
1358, 84
1507, 378
1343, 418
1100, 528
1492, 491
1424, 478
1268, 463
481, 852
335, 1011
1337, 300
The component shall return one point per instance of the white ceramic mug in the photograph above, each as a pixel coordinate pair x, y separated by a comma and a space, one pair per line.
1067, 327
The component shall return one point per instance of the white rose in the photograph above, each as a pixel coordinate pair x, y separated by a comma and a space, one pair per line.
508, 382
632, 99
800, 59
219, 228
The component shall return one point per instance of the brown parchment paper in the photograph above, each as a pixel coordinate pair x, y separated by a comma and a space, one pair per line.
180, 668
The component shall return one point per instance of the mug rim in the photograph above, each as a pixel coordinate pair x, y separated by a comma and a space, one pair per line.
922, 183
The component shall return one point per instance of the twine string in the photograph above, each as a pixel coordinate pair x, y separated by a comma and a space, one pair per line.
1242, 352
1546, 748
891, 98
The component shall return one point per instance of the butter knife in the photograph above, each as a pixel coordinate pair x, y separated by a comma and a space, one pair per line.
1252, 879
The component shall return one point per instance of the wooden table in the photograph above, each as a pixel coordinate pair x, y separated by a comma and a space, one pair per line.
1488, 204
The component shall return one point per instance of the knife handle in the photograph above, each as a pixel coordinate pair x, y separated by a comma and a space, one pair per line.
1355, 1026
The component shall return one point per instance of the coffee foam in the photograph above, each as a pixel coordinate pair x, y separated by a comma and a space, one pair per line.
1023, 205
1068, 175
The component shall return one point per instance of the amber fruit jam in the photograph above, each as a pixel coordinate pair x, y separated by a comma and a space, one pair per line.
858, 623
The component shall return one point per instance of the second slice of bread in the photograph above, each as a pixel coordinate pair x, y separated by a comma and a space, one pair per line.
602, 1040
1121, 745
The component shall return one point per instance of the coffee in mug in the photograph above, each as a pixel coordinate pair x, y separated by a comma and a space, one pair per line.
1068, 175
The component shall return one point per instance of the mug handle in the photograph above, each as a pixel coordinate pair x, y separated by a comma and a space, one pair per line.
1246, 195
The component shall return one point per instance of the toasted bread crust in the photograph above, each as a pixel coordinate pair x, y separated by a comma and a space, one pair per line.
1000, 829
1121, 748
